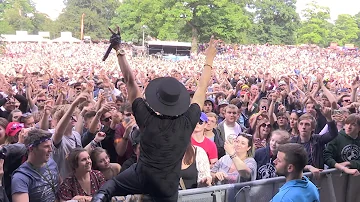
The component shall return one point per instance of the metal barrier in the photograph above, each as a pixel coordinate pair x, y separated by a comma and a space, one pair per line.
333, 185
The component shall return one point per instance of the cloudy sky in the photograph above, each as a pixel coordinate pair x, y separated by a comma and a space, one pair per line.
54, 7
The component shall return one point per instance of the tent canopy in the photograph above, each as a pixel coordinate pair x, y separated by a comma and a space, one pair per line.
67, 38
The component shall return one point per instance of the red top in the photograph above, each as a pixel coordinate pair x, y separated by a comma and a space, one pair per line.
71, 187
209, 147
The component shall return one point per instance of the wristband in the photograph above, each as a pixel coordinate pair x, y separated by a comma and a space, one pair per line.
233, 156
208, 66
94, 144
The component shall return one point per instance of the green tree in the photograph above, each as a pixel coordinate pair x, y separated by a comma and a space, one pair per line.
132, 15
22, 15
16, 15
194, 20
315, 29
357, 19
223, 18
98, 14
42, 22
275, 21
345, 30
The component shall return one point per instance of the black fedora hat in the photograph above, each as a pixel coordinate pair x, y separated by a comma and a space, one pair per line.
167, 96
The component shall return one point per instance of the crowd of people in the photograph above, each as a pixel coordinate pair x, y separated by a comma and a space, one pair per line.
71, 124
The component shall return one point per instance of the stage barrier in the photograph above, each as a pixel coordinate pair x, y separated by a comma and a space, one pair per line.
333, 185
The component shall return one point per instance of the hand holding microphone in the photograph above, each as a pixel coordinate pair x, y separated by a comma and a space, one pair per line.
115, 40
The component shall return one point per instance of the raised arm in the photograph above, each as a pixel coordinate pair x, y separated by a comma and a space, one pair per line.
28, 91
240, 165
100, 136
61, 96
200, 93
333, 131
129, 79
64, 121
272, 108
96, 121
354, 87
23, 102
327, 93
44, 121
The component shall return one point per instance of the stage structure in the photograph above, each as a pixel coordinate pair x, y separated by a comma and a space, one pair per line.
169, 48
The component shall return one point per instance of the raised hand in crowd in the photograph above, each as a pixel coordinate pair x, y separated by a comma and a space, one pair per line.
44, 121
229, 147
356, 83
105, 108
129, 125
100, 136
326, 112
82, 97
200, 93
354, 89
23, 134
63, 127
116, 117
48, 106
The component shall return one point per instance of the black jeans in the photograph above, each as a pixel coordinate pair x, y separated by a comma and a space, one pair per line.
133, 181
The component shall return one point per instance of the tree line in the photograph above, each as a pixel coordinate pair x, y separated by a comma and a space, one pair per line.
233, 21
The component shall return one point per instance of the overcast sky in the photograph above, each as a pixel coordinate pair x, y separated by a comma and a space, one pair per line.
54, 7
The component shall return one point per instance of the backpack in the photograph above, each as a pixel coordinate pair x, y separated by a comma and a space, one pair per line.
13, 155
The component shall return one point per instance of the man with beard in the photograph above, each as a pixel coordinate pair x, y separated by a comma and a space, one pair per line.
290, 161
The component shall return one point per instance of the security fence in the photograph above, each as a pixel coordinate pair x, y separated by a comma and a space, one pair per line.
333, 185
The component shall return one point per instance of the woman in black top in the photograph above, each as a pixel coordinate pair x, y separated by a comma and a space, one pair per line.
195, 168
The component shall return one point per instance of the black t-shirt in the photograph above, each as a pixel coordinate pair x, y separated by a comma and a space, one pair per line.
163, 143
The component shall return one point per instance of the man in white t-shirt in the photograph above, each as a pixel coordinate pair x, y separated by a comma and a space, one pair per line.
229, 126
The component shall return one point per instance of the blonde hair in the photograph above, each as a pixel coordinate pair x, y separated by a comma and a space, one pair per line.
231, 106
212, 114
285, 136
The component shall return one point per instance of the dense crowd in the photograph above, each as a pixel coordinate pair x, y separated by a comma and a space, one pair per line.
62, 105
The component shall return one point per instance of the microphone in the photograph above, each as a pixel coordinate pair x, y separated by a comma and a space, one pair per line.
106, 55
115, 38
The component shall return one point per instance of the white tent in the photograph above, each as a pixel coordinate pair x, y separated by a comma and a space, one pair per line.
23, 36
66, 37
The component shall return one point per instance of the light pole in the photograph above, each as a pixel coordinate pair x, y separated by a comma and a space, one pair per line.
143, 29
